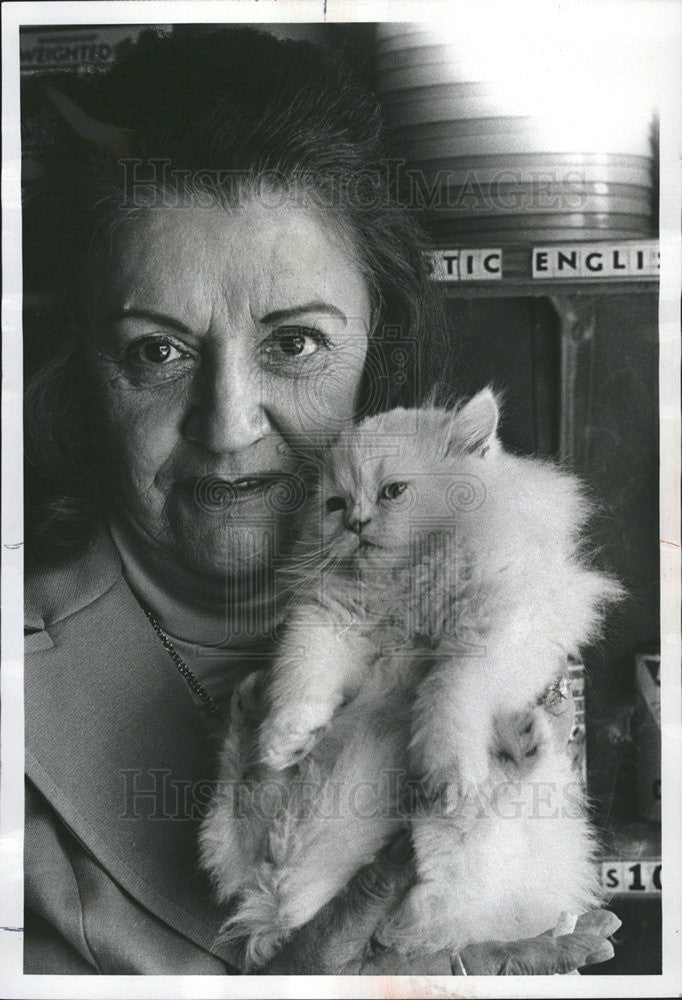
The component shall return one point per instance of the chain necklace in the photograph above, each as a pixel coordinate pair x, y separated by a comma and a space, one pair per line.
192, 682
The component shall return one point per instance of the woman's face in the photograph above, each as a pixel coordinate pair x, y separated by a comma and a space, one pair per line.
220, 339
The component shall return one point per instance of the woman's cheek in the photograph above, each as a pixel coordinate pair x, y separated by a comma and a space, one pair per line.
144, 429
326, 402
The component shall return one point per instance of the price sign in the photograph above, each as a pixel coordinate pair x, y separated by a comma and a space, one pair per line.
641, 878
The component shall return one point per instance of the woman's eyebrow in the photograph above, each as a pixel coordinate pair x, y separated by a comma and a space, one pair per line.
151, 314
282, 315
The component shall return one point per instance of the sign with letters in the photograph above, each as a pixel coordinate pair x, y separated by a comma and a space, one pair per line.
466, 265
632, 259
77, 49
636, 878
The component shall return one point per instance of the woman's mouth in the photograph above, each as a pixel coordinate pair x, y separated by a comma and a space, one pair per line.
214, 493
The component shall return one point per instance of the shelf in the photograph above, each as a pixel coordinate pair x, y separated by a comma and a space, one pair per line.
517, 287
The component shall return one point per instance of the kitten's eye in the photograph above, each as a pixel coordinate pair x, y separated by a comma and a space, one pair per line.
391, 491
335, 503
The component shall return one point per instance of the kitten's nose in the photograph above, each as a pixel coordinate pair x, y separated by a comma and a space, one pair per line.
354, 523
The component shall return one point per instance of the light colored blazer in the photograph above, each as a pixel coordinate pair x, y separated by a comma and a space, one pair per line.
118, 767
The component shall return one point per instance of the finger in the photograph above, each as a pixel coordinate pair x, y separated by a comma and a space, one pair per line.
561, 726
387, 962
603, 923
600, 922
488, 957
540, 956
559, 709
579, 949
338, 936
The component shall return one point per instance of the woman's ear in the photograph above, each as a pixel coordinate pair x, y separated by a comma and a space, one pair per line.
473, 429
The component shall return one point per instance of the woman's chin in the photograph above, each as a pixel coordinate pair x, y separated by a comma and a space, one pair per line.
228, 544
223, 553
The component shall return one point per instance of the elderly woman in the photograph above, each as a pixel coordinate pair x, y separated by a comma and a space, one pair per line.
217, 270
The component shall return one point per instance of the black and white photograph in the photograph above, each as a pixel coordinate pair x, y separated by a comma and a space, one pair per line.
341, 511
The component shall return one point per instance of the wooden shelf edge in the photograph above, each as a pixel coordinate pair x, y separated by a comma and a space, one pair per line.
508, 288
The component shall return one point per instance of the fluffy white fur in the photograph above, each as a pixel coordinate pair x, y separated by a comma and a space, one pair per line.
440, 587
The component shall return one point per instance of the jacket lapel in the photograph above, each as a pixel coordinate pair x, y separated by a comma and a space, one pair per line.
114, 742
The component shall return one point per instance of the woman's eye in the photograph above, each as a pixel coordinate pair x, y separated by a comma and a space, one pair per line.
335, 503
391, 491
155, 352
292, 342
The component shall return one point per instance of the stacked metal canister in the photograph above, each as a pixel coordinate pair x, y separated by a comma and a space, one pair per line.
523, 149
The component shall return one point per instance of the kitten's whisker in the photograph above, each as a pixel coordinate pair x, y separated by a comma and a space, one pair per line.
305, 569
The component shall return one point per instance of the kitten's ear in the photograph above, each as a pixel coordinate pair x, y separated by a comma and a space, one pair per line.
474, 428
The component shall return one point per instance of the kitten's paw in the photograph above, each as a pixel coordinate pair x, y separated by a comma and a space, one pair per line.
288, 736
289, 750
521, 740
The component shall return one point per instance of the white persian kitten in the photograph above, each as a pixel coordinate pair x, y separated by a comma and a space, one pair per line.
440, 588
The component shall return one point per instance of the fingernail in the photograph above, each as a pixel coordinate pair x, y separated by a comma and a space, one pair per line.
400, 850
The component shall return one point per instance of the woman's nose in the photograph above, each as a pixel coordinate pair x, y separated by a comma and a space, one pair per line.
228, 412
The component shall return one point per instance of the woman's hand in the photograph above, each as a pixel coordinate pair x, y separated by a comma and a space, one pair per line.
339, 939
544, 955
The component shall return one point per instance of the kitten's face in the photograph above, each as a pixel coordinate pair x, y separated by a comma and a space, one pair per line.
398, 480
374, 503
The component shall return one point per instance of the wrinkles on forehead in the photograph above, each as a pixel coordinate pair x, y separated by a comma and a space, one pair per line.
189, 262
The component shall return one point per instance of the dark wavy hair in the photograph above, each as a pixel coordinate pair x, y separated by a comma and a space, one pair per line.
208, 117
